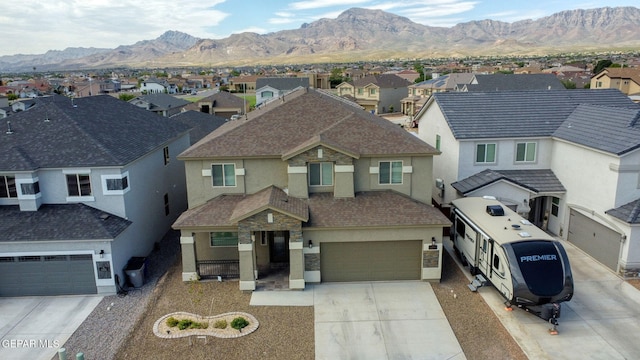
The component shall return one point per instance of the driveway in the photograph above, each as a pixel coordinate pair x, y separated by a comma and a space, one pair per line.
602, 321
36, 327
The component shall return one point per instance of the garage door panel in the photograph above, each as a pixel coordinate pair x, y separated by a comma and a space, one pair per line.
371, 261
47, 275
597, 240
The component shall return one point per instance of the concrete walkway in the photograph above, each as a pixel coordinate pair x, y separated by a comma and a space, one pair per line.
35, 327
373, 320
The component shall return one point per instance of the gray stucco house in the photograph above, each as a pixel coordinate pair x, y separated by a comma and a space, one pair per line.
315, 185
85, 184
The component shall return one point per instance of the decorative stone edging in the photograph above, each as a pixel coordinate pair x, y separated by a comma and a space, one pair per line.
211, 331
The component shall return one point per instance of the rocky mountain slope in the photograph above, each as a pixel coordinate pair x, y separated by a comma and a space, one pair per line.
361, 34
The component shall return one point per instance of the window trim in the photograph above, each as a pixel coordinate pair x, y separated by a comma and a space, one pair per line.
224, 177
21, 195
105, 188
526, 152
495, 153
391, 168
320, 172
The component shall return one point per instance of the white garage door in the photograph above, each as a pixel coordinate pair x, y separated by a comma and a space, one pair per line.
47, 275
597, 240
371, 261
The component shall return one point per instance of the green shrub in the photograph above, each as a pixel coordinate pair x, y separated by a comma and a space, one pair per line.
239, 322
184, 324
171, 322
221, 324
199, 325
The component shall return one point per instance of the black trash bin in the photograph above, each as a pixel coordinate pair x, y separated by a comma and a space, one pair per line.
135, 271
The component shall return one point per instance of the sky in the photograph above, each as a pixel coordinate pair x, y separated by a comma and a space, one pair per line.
41, 25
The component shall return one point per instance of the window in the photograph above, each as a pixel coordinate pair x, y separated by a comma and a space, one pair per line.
115, 184
8, 187
166, 204
555, 206
227, 238
79, 184
267, 94
321, 174
526, 152
103, 269
372, 91
486, 153
166, 155
30, 188
360, 91
390, 172
223, 174
438, 142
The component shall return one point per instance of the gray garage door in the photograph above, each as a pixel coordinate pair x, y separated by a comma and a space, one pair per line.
597, 240
47, 275
371, 261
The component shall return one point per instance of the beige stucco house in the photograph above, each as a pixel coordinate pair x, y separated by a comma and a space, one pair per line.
627, 80
315, 185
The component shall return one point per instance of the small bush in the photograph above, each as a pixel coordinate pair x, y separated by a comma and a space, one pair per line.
171, 322
184, 324
220, 324
239, 322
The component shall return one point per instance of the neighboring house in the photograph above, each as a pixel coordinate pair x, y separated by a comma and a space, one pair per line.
315, 185
566, 159
376, 93
109, 86
419, 93
85, 186
510, 82
627, 80
201, 124
222, 103
154, 86
160, 103
273, 88
243, 84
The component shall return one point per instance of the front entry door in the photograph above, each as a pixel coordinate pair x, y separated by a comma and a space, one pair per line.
278, 246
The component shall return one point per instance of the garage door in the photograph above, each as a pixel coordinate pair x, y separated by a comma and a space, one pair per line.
371, 261
597, 240
47, 275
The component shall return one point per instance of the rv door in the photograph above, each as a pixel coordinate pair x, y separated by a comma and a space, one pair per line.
484, 255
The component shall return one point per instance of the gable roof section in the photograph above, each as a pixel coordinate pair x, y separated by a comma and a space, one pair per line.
284, 127
281, 83
506, 114
504, 82
62, 222
629, 213
613, 130
201, 124
161, 101
96, 131
383, 81
270, 198
537, 181
632, 74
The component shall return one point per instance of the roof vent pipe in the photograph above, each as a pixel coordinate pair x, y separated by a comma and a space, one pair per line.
9, 131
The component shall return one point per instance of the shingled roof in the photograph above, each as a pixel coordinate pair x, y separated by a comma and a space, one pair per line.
383, 81
509, 82
87, 132
507, 114
282, 83
629, 213
536, 180
614, 130
59, 222
306, 117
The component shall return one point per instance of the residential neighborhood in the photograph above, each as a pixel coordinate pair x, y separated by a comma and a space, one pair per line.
279, 180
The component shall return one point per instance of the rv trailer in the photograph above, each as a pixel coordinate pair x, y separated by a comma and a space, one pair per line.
527, 266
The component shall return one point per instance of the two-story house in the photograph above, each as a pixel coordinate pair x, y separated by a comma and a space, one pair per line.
85, 184
154, 86
317, 186
222, 103
564, 158
268, 88
418, 94
160, 103
376, 93
627, 80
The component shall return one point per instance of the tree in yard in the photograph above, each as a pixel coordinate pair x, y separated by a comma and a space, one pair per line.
568, 84
601, 65
126, 97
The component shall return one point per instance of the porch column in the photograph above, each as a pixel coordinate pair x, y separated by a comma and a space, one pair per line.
296, 259
246, 257
187, 243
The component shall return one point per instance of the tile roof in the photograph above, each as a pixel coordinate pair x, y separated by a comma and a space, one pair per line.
504, 82
384, 81
323, 210
303, 117
201, 124
506, 114
629, 213
59, 222
614, 130
93, 131
446, 82
537, 180
282, 83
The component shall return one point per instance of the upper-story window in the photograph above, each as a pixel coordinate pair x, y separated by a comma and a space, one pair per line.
438, 142
30, 188
321, 174
79, 184
360, 91
223, 174
166, 155
8, 187
372, 92
486, 153
115, 184
390, 172
526, 152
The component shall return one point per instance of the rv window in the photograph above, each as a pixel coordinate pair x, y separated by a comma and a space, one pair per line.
484, 245
496, 262
460, 228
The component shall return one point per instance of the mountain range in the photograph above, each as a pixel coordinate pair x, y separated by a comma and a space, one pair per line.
360, 34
